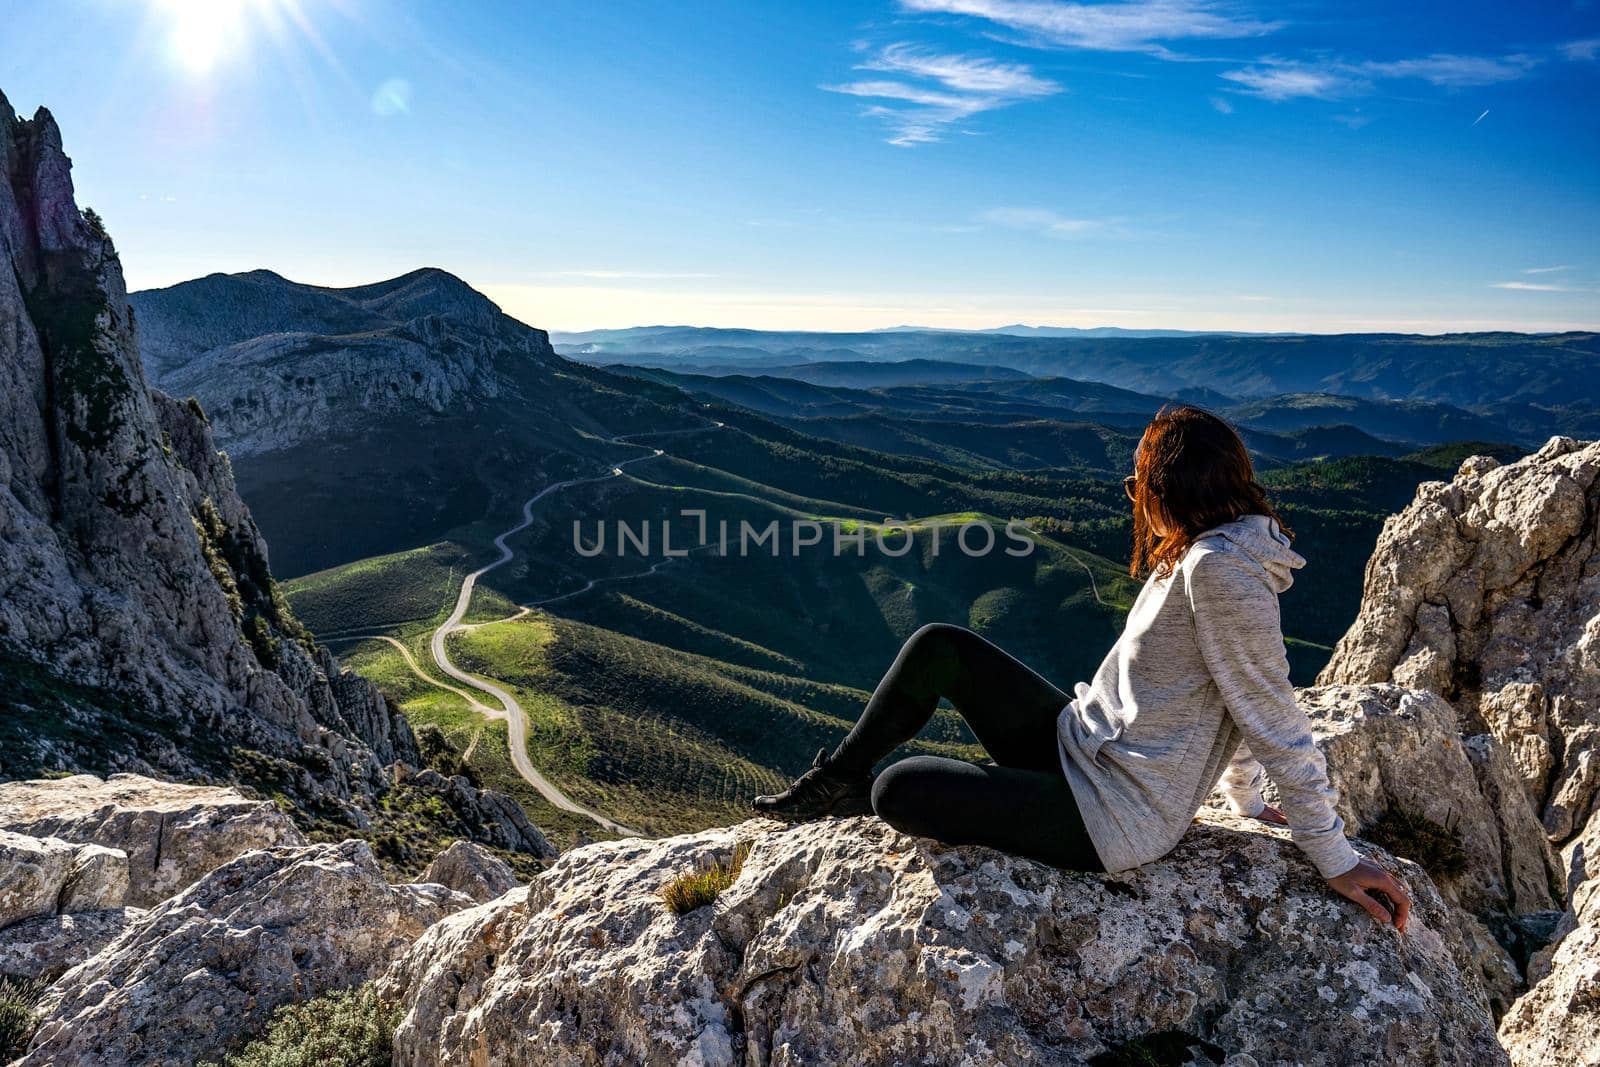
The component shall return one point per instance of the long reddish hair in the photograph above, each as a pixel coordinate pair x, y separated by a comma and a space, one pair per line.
1192, 469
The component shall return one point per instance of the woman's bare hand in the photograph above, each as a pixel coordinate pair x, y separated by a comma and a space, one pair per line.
1270, 814
1365, 878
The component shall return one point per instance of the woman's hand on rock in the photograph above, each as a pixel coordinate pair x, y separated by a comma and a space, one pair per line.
1365, 878
1270, 814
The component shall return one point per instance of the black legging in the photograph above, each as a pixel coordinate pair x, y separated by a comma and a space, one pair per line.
1023, 804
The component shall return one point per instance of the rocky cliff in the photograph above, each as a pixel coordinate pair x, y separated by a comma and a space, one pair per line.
138, 615
844, 941
141, 628
1486, 590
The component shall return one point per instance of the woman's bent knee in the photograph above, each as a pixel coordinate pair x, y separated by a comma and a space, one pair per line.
934, 640
900, 794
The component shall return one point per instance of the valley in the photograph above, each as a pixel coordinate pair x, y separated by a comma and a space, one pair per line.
479, 615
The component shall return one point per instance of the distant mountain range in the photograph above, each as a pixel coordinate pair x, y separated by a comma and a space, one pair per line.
1525, 385
1020, 330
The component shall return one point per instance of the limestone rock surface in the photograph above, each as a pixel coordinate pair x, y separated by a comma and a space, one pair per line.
44, 947
471, 870
1558, 1020
172, 833
843, 941
1486, 590
1387, 747
185, 980
47, 876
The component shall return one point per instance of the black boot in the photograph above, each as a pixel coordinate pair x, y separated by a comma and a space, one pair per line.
816, 794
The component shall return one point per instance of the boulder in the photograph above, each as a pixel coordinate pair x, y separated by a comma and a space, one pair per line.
199, 971
48, 876
43, 948
1486, 590
1387, 747
471, 870
172, 833
844, 941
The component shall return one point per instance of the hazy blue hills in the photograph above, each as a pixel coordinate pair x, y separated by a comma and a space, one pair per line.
1529, 384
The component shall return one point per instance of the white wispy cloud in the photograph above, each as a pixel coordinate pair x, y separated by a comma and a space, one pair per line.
1274, 79
1221, 104
968, 74
1127, 26
1277, 78
1043, 221
1455, 71
1536, 287
1545, 270
947, 89
1578, 51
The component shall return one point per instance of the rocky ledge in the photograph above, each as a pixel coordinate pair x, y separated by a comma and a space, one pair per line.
843, 941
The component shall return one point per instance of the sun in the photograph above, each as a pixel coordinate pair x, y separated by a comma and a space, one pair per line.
202, 34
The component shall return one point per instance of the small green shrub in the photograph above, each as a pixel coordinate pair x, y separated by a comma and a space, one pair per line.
17, 998
1436, 849
348, 1028
97, 225
698, 888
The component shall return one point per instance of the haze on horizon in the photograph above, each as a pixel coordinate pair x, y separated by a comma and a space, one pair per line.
1185, 164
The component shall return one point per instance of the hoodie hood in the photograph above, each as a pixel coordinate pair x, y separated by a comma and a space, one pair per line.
1259, 538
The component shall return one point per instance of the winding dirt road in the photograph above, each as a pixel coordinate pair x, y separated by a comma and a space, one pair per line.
510, 710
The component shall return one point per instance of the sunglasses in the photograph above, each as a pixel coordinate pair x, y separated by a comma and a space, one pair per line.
1128, 484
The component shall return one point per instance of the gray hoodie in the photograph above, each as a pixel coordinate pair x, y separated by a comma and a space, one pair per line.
1196, 686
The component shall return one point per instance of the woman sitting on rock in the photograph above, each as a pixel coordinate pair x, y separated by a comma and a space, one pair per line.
1195, 690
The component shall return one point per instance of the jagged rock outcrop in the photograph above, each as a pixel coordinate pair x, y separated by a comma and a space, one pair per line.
132, 578
48, 876
488, 815
171, 833
196, 972
1486, 589
1389, 747
471, 870
843, 941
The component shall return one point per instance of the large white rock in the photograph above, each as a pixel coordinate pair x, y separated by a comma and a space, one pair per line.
843, 941
172, 833
47, 876
1486, 589
198, 971
1386, 746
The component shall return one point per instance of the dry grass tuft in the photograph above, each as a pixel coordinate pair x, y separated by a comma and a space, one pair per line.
698, 888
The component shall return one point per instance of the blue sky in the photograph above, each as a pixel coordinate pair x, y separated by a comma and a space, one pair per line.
1172, 163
